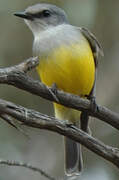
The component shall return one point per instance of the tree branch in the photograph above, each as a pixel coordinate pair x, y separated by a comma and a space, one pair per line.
28, 166
35, 119
17, 77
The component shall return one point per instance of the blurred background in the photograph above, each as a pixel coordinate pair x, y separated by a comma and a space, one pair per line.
44, 149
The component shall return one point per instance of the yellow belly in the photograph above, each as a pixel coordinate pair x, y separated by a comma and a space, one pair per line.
72, 68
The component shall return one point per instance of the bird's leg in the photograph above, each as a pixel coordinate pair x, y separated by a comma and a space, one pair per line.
93, 104
53, 91
54, 88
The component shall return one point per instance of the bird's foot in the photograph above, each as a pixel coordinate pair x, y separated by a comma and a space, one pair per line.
93, 104
53, 91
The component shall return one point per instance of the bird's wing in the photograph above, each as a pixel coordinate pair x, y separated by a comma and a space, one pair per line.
95, 45
97, 50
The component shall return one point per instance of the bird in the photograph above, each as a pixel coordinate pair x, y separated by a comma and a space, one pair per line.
68, 59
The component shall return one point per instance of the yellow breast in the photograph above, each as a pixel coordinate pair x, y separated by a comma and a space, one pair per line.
71, 67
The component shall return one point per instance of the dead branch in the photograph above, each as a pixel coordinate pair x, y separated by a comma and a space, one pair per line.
36, 119
17, 77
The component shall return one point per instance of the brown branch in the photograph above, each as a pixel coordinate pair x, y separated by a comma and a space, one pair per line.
28, 166
16, 76
35, 119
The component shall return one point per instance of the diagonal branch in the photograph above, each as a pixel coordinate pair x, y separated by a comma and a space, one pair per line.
35, 119
28, 166
16, 76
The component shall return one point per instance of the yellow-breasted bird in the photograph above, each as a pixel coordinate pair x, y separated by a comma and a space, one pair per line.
68, 57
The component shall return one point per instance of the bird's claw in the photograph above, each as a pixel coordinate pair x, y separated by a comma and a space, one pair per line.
53, 91
54, 88
93, 104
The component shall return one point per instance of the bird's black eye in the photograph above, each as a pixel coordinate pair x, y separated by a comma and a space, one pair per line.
46, 13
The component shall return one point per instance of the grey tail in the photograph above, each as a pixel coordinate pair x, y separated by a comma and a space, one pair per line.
73, 158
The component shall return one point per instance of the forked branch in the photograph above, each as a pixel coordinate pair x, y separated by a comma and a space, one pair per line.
38, 120
17, 77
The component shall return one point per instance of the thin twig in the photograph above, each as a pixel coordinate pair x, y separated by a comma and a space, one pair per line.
10, 121
28, 166
41, 121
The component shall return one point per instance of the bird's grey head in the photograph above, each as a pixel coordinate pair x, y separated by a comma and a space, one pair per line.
42, 16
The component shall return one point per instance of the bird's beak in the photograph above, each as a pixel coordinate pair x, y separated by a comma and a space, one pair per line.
24, 15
